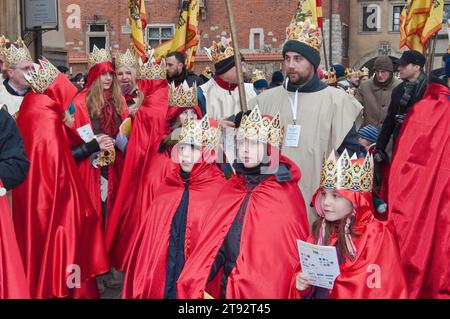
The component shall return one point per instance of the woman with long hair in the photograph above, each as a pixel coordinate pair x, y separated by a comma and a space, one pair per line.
99, 112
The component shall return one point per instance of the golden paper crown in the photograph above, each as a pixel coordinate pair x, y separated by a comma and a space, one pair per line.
364, 72
220, 51
350, 91
348, 173
258, 75
200, 133
151, 70
330, 77
183, 95
106, 158
256, 127
207, 72
15, 54
127, 59
98, 56
305, 32
4, 42
42, 77
350, 72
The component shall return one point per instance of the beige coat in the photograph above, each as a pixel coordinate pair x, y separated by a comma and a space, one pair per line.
325, 118
375, 101
12, 102
220, 103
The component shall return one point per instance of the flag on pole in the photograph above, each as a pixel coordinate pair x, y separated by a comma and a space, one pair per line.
138, 23
186, 37
311, 9
434, 21
419, 21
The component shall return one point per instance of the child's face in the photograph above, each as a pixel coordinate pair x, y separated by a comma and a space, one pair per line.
335, 206
364, 142
188, 155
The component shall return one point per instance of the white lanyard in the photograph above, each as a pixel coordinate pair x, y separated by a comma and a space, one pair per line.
294, 104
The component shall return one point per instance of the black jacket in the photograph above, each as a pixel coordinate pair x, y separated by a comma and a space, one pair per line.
14, 164
398, 110
187, 76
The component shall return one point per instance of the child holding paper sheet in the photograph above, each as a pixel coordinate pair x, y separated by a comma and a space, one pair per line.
367, 249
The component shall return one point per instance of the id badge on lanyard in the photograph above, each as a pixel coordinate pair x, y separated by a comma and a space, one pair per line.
293, 130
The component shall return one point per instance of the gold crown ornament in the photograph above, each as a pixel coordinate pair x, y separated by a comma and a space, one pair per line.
258, 75
106, 158
43, 75
98, 56
256, 127
220, 51
350, 72
4, 42
364, 72
200, 133
350, 91
15, 54
330, 77
347, 173
127, 59
305, 32
207, 72
183, 95
151, 70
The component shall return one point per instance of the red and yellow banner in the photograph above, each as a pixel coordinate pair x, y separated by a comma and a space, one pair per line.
138, 23
419, 21
311, 9
186, 37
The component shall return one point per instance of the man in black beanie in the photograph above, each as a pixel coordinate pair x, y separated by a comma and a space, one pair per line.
317, 118
219, 97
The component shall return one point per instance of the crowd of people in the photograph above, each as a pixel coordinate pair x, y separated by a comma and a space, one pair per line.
144, 173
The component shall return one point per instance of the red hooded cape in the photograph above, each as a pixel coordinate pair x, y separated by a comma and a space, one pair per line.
419, 201
13, 283
275, 218
124, 223
148, 125
90, 174
376, 271
56, 224
146, 272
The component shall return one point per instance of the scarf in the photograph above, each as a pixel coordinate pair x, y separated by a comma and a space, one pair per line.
109, 119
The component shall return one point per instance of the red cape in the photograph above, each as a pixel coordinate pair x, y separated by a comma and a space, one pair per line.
56, 224
148, 125
124, 224
275, 218
419, 201
13, 283
146, 272
89, 173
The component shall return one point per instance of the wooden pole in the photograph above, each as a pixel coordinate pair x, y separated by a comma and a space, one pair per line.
432, 50
324, 50
237, 57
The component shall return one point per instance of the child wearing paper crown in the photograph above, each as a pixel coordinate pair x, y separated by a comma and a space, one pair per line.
367, 249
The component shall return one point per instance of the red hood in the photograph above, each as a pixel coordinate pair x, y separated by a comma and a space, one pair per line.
97, 70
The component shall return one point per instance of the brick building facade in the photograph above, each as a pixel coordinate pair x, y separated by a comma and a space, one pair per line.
261, 28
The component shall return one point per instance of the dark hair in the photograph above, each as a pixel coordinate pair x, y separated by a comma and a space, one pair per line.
178, 55
77, 77
334, 227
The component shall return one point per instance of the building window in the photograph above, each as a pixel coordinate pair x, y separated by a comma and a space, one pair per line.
396, 13
159, 33
97, 35
370, 18
446, 12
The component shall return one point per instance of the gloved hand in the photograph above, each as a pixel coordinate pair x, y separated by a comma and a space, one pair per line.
121, 142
